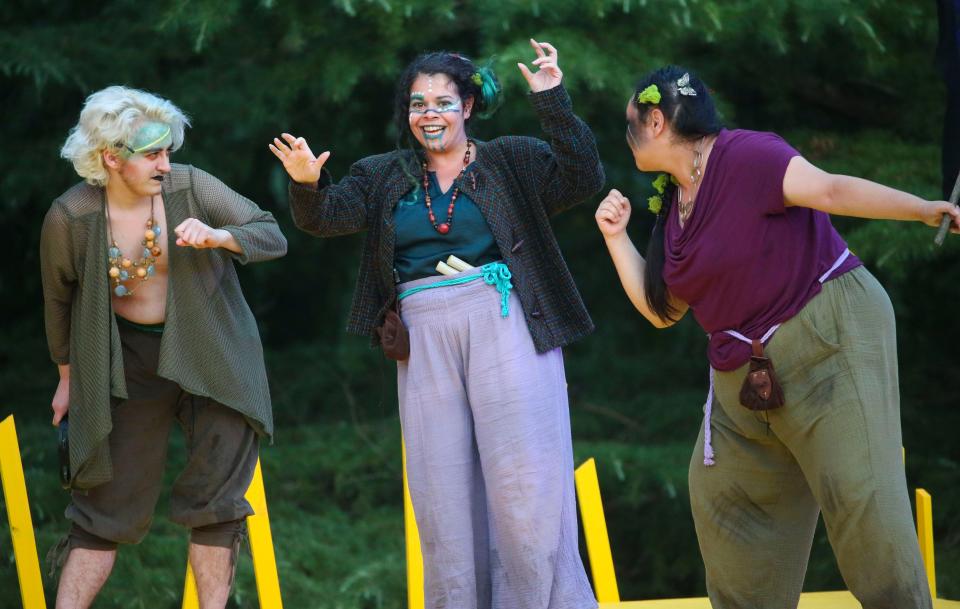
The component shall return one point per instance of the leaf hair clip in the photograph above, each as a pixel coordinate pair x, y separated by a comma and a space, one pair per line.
650, 95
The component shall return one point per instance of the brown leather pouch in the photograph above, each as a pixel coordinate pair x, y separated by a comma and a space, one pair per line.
394, 338
761, 390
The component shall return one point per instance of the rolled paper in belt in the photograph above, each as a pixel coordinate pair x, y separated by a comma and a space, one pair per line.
460, 265
445, 269
63, 448
945, 221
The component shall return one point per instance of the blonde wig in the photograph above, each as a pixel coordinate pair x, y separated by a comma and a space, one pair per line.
109, 120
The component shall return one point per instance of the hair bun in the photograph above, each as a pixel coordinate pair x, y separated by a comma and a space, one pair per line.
491, 93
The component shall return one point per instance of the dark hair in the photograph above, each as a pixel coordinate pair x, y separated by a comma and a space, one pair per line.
479, 83
690, 117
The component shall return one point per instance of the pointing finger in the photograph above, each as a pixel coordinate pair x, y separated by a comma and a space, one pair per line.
536, 47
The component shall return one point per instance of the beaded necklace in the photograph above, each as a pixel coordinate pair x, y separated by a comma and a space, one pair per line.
445, 227
124, 269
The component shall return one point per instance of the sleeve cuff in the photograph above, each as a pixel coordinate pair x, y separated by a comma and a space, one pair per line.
242, 241
551, 101
555, 110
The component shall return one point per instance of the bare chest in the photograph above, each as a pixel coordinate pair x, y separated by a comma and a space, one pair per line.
137, 252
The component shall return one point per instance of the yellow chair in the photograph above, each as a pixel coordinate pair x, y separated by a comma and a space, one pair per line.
605, 579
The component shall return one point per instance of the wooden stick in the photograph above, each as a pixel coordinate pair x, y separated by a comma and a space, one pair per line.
945, 221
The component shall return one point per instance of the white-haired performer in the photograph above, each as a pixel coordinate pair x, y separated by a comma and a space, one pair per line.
147, 323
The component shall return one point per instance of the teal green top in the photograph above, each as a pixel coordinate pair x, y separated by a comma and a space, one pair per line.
418, 244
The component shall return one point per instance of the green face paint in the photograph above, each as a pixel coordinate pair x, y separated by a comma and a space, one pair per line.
151, 137
419, 106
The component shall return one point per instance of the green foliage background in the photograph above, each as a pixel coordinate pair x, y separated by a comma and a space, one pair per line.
849, 82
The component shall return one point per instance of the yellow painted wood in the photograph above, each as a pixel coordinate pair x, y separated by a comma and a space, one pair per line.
261, 544
595, 533
925, 535
586, 475
261, 548
808, 600
415, 598
190, 598
18, 512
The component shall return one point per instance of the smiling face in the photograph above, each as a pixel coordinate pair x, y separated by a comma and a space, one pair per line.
437, 113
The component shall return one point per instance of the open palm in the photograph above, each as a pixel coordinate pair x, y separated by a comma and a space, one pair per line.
298, 159
548, 74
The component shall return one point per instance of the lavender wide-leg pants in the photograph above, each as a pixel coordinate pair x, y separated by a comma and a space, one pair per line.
489, 457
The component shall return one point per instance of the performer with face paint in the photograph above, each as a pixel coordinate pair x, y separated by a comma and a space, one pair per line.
483, 401
147, 324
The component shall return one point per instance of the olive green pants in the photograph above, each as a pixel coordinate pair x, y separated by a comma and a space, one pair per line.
835, 447
207, 496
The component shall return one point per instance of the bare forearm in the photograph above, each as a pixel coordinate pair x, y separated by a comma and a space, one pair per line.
64, 370
631, 267
850, 196
229, 242
809, 186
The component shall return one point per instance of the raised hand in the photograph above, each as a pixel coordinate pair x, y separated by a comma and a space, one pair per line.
298, 159
548, 74
613, 214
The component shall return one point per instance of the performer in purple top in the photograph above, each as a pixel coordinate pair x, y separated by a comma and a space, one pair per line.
803, 414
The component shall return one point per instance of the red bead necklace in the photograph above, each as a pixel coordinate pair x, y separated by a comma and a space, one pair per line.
445, 227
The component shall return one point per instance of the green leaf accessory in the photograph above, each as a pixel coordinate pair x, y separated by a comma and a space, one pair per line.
650, 95
477, 79
655, 204
660, 184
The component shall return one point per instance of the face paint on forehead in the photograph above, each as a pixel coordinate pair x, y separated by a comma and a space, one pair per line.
151, 137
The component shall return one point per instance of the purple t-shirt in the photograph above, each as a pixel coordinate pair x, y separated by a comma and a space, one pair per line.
744, 261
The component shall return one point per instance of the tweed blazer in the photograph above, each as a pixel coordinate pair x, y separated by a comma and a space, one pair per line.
517, 183
210, 347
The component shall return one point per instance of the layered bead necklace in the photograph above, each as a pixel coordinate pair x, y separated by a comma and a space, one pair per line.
123, 269
445, 227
